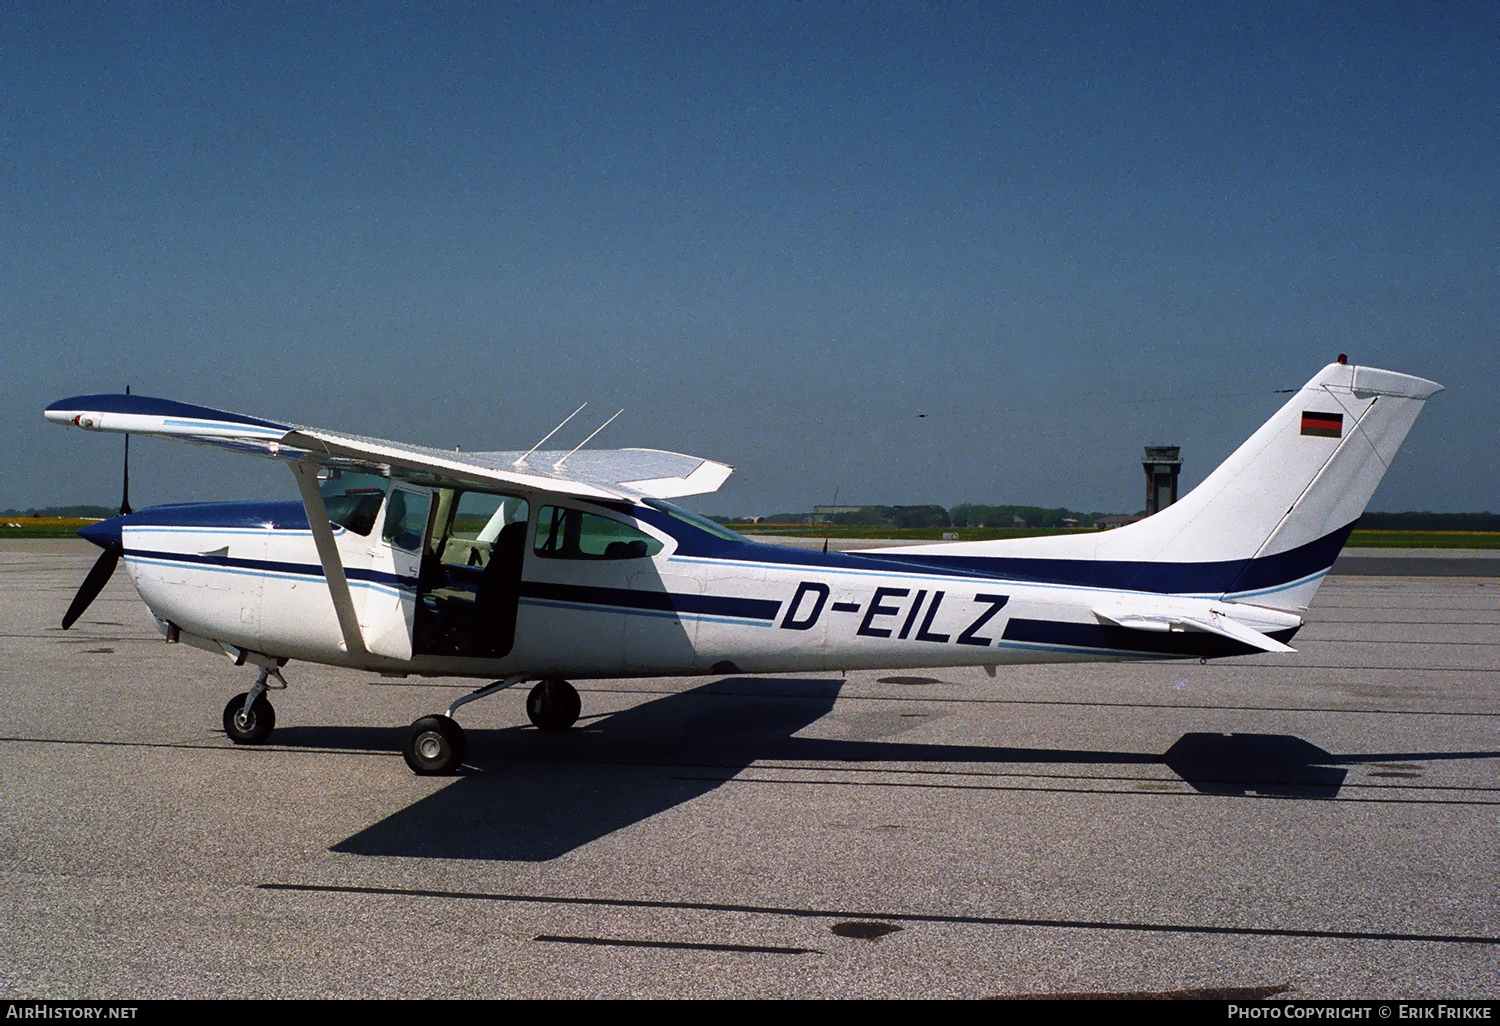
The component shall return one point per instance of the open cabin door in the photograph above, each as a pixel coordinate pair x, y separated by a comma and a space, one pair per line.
472, 587
387, 617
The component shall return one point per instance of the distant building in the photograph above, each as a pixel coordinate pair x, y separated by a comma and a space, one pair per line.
824, 514
1162, 467
1115, 520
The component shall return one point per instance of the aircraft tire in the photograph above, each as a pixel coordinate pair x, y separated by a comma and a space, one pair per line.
435, 745
249, 728
553, 705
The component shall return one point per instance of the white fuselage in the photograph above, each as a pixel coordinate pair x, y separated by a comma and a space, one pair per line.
743, 607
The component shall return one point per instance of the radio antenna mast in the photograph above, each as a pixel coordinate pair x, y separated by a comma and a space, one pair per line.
522, 461
580, 445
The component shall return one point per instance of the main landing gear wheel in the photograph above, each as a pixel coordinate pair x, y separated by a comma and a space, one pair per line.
249, 726
553, 705
435, 745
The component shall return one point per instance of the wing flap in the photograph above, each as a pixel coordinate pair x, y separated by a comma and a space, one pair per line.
653, 473
434, 466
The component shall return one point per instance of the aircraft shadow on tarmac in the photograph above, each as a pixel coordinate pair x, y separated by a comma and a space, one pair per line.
526, 795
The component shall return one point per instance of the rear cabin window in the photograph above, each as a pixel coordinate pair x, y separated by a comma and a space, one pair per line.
563, 533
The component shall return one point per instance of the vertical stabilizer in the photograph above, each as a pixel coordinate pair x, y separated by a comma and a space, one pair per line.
1265, 526
1296, 486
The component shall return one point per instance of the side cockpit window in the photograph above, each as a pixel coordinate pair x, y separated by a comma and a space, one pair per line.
406, 519
480, 522
563, 533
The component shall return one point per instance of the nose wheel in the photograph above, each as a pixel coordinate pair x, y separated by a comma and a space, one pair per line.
249, 718
249, 722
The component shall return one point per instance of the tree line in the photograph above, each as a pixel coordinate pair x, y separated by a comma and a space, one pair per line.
973, 515
926, 517
968, 515
78, 512
1430, 522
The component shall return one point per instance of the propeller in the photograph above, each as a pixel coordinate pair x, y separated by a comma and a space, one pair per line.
94, 583
106, 535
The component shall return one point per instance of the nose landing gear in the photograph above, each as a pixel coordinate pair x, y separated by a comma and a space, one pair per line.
249, 718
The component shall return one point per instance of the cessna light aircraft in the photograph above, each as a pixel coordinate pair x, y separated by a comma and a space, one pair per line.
542, 566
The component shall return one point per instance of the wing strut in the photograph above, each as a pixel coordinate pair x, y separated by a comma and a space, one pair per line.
328, 554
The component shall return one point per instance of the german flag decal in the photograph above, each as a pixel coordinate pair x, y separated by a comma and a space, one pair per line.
1327, 425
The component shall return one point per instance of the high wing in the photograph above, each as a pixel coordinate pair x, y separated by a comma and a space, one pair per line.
610, 474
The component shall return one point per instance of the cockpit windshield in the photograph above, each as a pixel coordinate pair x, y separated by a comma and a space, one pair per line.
702, 523
353, 500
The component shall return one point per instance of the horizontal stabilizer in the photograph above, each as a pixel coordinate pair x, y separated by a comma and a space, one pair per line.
1228, 620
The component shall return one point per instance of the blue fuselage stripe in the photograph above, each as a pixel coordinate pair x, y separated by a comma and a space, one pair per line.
727, 606
1223, 577
265, 567
1095, 637
1260, 575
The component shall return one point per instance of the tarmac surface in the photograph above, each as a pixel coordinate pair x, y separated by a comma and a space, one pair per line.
1314, 826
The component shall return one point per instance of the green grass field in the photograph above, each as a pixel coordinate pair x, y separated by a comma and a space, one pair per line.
1425, 539
41, 527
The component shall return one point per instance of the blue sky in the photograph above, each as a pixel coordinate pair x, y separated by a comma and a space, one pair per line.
947, 252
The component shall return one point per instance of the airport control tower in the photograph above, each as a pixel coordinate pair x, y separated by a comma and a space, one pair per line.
1161, 465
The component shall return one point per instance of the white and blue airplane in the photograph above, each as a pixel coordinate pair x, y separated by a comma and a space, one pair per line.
544, 566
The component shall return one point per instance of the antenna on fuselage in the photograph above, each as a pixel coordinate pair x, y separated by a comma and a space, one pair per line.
125, 484
580, 445
831, 511
522, 461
